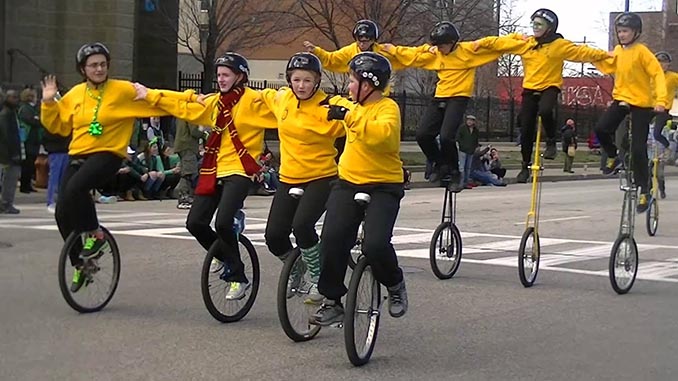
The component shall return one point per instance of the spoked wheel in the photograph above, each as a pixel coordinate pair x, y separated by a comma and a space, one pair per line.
293, 287
361, 319
445, 250
623, 264
214, 289
99, 274
528, 257
652, 217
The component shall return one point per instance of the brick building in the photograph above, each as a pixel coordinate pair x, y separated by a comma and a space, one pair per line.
38, 36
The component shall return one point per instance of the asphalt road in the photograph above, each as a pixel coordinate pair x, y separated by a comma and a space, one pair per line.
480, 325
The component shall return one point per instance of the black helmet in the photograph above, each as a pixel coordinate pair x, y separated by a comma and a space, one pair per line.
372, 67
304, 61
235, 62
548, 15
629, 20
88, 50
444, 32
367, 29
663, 56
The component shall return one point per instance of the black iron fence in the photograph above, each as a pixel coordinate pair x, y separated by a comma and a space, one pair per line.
496, 118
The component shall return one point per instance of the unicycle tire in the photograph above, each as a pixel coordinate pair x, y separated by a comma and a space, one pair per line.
360, 339
445, 254
623, 261
214, 289
652, 217
528, 257
293, 313
97, 272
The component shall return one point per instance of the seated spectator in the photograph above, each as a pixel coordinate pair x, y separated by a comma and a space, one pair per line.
480, 169
170, 161
155, 170
495, 164
266, 181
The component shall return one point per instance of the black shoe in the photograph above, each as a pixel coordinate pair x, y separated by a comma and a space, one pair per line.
524, 174
662, 194
397, 299
330, 312
612, 166
550, 152
9, 209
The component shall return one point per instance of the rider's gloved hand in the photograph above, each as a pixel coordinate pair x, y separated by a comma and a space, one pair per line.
336, 113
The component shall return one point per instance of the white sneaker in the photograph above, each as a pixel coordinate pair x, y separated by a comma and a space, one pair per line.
51, 208
216, 265
237, 290
314, 297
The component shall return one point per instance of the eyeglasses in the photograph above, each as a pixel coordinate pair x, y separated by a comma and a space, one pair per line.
95, 65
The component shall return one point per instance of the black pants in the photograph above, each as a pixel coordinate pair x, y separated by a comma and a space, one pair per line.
341, 229
227, 199
640, 124
75, 210
537, 103
118, 185
660, 119
27, 172
298, 216
443, 116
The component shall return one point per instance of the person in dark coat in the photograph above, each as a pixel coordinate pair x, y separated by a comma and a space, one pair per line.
11, 153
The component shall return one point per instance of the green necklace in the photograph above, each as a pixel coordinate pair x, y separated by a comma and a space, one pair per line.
95, 127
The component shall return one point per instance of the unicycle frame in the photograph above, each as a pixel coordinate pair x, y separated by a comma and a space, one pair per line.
449, 207
537, 168
628, 186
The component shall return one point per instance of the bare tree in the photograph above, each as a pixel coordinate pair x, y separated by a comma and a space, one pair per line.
209, 27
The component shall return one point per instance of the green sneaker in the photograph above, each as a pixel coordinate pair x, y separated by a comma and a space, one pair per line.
91, 247
78, 280
237, 290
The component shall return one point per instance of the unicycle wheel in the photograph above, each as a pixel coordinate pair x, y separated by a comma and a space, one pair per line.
623, 264
445, 250
528, 257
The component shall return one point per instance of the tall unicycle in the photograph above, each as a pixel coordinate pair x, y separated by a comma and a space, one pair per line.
529, 249
88, 284
624, 254
445, 248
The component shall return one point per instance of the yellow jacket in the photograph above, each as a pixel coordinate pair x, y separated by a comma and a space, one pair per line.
637, 73
372, 151
671, 79
118, 111
307, 138
456, 71
250, 117
338, 60
543, 65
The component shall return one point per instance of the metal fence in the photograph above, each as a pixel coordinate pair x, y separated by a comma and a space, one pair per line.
496, 118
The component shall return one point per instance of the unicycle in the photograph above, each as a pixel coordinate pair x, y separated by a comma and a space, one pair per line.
101, 273
529, 249
214, 287
624, 255
293, 288
652, 213
363, 306
445, 248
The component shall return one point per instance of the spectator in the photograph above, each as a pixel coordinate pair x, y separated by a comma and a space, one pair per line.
57, 150
467, 136
480, 169
154, 131
495, 164
155, 175
11, 152
31, 133
569, 144
186, 145
170, 162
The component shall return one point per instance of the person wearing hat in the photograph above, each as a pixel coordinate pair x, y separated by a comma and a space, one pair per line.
468, 140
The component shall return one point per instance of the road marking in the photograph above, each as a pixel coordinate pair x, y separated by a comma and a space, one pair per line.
556, 219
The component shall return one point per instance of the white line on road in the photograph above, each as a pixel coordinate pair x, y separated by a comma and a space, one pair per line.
557, 219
